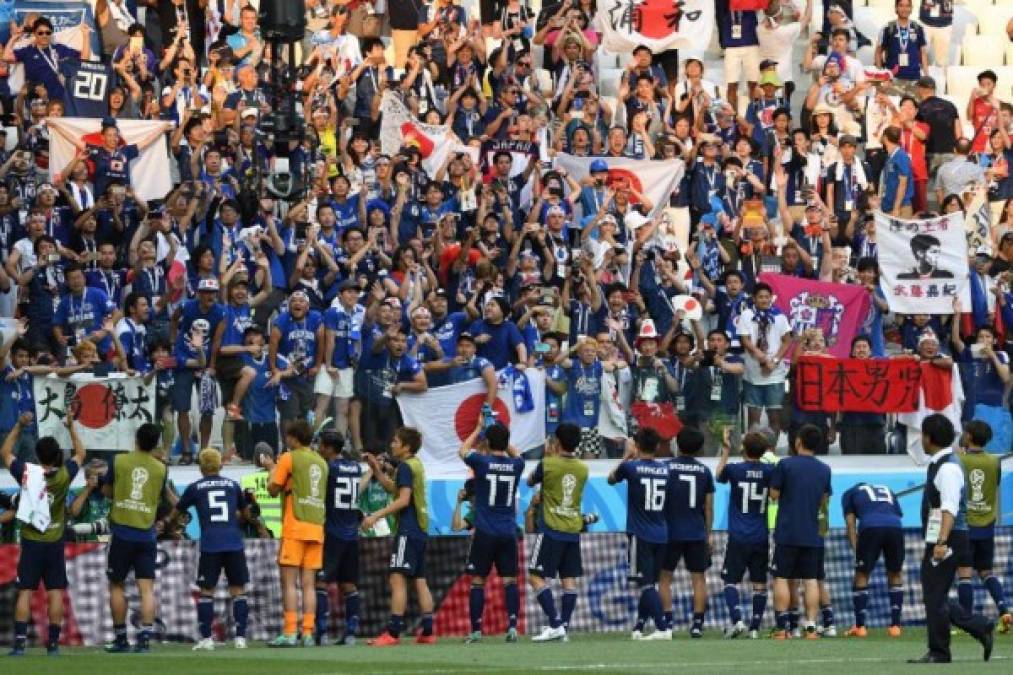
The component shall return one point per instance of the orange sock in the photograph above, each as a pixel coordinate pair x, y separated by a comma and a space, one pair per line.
290, 623
309, 624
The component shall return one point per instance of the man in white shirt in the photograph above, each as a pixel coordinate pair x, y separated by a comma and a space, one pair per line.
766, 337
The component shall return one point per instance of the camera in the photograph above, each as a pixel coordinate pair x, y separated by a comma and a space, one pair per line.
98, 528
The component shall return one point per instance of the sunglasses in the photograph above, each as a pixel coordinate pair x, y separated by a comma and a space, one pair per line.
42, 33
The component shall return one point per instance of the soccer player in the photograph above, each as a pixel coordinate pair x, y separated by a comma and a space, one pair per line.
801, 486
408, 560
135, 481
983, 475
341, 536
301, 474
873, 518
689, 507
218, 501
557, 547
748, 546
42, 546
646, 527
497, 475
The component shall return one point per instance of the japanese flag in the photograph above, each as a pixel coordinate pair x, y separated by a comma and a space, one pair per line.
942, 393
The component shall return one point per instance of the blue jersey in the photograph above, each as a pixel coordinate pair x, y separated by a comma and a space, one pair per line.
748, 484
259, 404
343, 514
873, 506
299, 337
237, 320
496, 480
689, 483
447, 330
217, 500
583, 393
347, 327
647, 487
88, 85
80, 315
803, 481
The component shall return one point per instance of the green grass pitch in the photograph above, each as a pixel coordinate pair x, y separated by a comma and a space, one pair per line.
584, 653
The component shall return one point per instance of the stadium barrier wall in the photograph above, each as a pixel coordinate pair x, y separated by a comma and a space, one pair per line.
606, 602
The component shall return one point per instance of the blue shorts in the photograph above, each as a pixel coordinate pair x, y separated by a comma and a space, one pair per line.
550, 557
874, 542
211, 564
646, 559
695, 554
797, 562
341, 561
741, 557
124, 556
182, 389
763, 395
979, 554
409, 556
488, 550
41, 561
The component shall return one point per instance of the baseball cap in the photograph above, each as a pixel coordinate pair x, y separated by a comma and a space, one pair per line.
441, 293
599, 165
926, 82
767, 63
348, 284
848, 139
555, 211
208, 284
108, 122
250, 111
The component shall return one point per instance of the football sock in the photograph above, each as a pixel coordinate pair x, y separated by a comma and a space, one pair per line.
860, 598
20, 634
513, 603
146, 630
828, 615
994, 587
323, 611
352, 613
782, 620
120, 632
669, 618
427, 624
476, 605
395, 625
291, 621
309, 623
569, 604
548, 604
896, 604
793, 616
652, 603
641, 611
205, 615
697, 621
732, 601
759, 607
241, 614
54, 635
965, 595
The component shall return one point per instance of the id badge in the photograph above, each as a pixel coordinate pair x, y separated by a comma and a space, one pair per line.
902, 60
590, 407
934, 526
423, 105
736, 31
716, 389
849, 205
680, 402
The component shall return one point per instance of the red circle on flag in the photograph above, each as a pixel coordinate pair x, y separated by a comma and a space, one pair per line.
466, 417
690, 305
658, 18
90, 406
621, 177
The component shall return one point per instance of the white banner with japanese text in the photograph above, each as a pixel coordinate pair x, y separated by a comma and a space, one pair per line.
923, 263
657, 24
108, 410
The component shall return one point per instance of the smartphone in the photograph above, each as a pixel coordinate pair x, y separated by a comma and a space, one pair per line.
53, 257
137, 44
300, 230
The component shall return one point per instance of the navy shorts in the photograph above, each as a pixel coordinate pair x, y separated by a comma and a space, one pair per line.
981, 553
409, 556
182, 389
125, 556
797, 562
695, 554
551, 557
41, 561
741, 557
646, 558
211, 564
341, 561
488, 550
880, 541
821, 570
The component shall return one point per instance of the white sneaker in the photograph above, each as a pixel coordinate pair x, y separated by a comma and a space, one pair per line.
205, 644
796, 633
550, 634
830, 631
636, 635
240, 643
658, 635
754, 635
734, 631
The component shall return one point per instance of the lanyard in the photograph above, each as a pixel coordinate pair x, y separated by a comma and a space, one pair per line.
849, 182
711, 176
52, 59
903, 37
109, 283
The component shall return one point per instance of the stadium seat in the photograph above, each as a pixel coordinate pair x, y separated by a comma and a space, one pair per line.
959, 83
993, 20
965, 23
871, 20
1004, 88
609, 81
973, 6
981, 50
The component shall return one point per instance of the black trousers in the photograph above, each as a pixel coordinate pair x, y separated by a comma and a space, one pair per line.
940, 611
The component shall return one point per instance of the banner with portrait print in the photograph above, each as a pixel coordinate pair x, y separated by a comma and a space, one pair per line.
108, 410
923, 262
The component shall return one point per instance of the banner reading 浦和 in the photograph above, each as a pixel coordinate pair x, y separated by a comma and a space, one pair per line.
108, 410
922, 262
657, 24
857, 385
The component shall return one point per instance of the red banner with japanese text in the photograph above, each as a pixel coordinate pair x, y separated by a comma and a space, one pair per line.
832, 385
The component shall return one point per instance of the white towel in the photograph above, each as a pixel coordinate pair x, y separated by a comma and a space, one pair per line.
33, 506
857, 171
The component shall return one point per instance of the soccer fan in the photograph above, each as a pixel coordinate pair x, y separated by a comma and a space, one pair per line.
41, 556
748, 547
983, 474
497, 475
408, 560
646, 527
800, 485
944, 525
341, 537
218, 501
135, 481
873, 518
300, 475
557, 548
689, 508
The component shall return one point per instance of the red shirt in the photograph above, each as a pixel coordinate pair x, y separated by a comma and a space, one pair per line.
916, 150
985, 118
